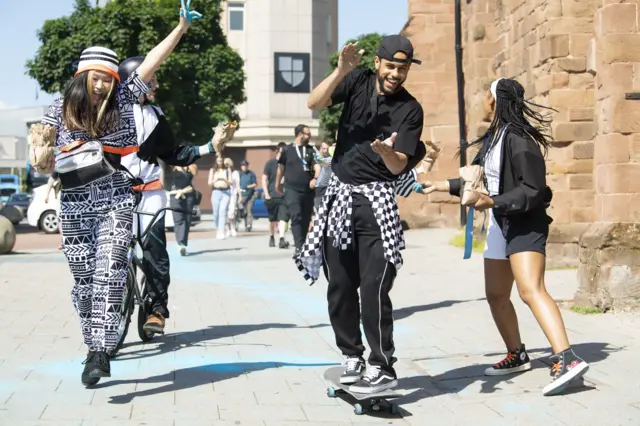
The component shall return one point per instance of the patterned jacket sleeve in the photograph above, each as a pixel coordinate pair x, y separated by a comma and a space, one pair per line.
404, 184
131, 90
52, 116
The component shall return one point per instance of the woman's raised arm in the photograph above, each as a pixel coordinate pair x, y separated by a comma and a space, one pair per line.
158, 54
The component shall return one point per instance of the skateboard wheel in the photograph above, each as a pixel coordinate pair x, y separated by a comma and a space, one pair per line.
393, 409
358, 409
331, 392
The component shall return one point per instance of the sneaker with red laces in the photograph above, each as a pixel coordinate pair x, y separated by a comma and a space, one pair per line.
516, 361
566, 367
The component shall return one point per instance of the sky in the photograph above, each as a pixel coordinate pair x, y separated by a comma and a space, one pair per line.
20, 41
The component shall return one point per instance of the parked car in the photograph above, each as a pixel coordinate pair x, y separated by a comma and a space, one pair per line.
41, 215
20, 199
9, 185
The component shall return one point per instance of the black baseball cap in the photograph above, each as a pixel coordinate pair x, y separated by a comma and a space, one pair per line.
390, 45
244, 163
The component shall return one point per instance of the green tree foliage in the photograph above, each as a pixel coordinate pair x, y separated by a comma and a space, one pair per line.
201, 82
330, 117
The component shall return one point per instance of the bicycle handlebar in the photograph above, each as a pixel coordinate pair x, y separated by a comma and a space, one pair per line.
141, 237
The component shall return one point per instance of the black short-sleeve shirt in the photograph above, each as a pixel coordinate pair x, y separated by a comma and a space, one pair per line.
298, 167
354, 161
271, 170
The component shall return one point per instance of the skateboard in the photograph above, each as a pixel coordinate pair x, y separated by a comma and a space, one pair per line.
366, 402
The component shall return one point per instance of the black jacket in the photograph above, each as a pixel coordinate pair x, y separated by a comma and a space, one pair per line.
523, 194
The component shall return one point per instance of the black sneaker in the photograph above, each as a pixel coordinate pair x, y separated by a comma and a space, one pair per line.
283, 243
272, 241
376, 379
354, 368
566, 367
86, 379
515, 362
101, 367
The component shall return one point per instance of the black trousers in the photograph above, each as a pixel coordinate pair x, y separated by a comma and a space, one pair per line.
182, 221
155, 264
300, 205
361, 266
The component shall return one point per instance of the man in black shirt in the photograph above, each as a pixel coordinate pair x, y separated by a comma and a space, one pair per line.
359, 233
276, 207
296, 166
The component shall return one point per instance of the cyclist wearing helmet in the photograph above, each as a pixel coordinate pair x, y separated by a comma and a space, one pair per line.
95, 128
157, 146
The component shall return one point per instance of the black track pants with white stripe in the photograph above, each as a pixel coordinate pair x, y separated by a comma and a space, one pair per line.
361, 266
97, 223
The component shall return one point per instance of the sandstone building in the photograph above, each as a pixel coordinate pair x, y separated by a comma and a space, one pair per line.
581, 57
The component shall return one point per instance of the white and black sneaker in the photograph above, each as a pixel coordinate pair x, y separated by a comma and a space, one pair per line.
376, 379
516, 361
567, 366
354, 368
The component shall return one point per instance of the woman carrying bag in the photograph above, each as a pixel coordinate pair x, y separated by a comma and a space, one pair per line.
511, 154
95, 127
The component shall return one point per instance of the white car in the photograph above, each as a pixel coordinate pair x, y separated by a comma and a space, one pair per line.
41, 215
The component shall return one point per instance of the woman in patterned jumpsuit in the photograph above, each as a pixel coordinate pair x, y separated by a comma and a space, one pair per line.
97, 217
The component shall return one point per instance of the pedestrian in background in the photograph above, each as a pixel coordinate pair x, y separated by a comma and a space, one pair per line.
182, 199
220, 183
274, 201
295, 165
248, 185
234, 200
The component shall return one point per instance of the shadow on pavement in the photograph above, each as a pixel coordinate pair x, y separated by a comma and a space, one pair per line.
187, 378
197, 253
207, 336
402, 313
456, 380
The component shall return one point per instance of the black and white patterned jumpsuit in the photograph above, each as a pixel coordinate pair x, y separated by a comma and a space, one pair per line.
97, 222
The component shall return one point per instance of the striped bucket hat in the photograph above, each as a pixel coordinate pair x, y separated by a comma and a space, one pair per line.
99, 59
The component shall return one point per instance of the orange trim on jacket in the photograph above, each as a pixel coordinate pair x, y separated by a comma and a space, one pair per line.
149, 186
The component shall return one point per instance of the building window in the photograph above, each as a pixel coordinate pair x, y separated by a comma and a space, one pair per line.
329, 29
236, 16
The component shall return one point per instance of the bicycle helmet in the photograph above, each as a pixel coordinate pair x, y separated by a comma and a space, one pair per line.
128, 66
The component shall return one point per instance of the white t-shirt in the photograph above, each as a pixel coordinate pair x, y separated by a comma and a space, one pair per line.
492, 165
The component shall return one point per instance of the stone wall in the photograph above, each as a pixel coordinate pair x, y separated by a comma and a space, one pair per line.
609, 268
580, 57
541, 43
430, 27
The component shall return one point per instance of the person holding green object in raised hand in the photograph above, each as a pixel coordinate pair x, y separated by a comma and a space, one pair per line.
94, 119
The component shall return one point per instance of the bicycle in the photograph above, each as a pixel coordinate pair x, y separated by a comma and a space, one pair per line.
137, 294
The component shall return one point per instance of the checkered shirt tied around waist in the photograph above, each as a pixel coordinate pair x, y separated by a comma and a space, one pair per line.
338, 225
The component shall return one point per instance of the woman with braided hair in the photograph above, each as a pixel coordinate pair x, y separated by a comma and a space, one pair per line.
514, 165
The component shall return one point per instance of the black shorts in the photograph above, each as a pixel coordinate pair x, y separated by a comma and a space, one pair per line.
277, 209
529, 234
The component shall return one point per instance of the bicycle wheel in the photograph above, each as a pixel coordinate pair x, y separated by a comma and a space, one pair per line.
126, 310
143, 313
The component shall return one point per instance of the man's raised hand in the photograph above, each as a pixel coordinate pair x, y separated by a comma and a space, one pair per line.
349, 58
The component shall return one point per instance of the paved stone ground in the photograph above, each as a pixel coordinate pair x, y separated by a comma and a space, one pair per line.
247, 344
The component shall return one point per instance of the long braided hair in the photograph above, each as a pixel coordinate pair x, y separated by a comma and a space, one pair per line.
512, 109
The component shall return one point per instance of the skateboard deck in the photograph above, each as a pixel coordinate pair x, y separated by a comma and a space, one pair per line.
365, 402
